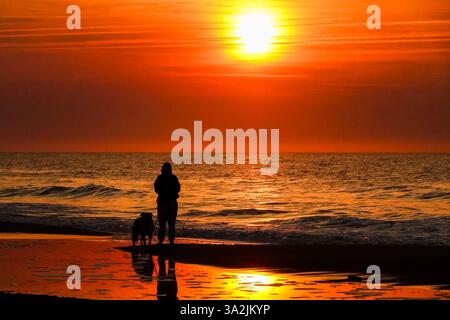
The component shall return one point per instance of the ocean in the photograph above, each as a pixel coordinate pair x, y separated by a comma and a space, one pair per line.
314, 199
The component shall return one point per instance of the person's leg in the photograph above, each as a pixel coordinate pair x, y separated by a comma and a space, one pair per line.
162, 220
172, 218
162, 229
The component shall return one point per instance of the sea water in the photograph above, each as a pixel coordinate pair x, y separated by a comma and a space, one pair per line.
314, 198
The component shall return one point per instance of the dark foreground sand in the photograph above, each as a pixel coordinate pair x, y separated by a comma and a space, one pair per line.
409, 264
204, 268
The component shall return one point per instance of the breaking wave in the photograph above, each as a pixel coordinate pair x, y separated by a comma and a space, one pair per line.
89, 190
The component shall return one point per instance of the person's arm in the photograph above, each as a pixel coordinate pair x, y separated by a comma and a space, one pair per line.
157, 185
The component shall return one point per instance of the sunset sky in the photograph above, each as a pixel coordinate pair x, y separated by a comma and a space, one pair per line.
139, 69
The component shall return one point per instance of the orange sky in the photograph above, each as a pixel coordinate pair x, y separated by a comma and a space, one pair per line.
140, 69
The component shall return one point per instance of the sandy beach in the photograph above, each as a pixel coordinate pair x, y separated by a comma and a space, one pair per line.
35, 263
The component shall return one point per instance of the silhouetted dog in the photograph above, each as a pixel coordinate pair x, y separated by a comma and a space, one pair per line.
143, 227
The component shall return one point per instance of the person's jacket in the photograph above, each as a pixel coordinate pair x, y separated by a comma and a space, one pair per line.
167, 187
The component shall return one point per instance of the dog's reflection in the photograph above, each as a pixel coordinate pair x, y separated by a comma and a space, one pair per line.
143, 265
167, 287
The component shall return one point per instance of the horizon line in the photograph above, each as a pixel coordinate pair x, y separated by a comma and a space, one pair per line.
281, 152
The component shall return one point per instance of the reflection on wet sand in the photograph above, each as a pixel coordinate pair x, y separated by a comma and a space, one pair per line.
167, 287
144, 266
38, 267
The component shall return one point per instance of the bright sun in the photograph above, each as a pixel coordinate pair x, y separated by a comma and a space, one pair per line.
256, 32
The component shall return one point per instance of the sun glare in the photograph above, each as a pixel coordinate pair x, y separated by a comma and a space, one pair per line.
256, 32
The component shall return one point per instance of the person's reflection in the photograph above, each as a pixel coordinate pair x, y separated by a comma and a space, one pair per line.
167, 288
143, 265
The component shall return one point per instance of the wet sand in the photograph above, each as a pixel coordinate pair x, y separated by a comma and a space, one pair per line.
36, 264
409, 264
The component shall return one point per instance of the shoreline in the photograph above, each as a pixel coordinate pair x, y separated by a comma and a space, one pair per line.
113, 270
22, 227
402, 264
414, 264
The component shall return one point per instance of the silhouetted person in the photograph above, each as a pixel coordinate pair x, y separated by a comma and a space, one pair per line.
167, 288
167, 187
143, 266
